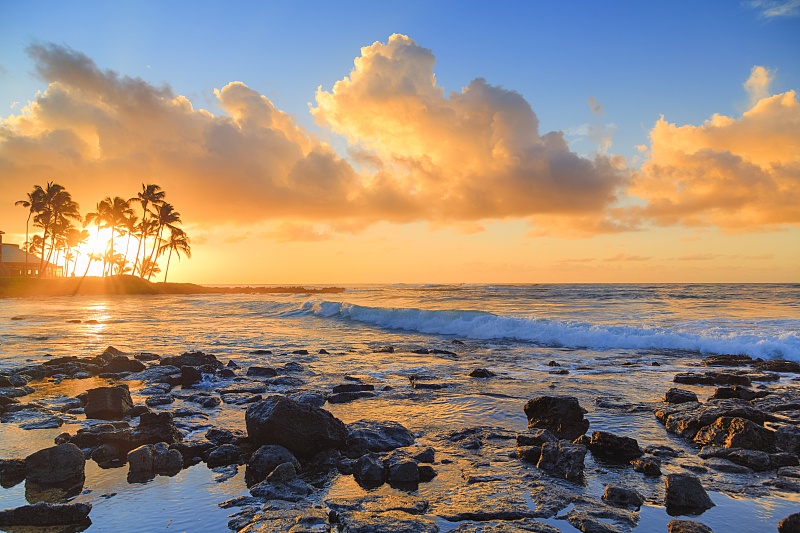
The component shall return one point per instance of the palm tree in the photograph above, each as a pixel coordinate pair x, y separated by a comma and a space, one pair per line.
54, 210
151, 194
114, 212
131, 226
98, 219
150, 268
167, 217
178, 242
93, 256
33, 204
75, 238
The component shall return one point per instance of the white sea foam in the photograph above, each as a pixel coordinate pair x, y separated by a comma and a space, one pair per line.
768, 339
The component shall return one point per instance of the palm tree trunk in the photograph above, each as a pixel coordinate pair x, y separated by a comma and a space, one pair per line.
27, 244
169, 258
142, 240
155, 247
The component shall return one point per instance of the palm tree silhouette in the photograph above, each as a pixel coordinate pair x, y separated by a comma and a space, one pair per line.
54, 210
33, 204
151, 194
167, 217
178, 242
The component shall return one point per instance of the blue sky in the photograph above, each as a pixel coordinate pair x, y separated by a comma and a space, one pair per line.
684, 60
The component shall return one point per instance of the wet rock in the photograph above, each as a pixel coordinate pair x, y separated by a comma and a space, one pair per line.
420, 385
353, 387
778, 365
290, 491
675, 395
480, 502
738, 392
428, 455
687, 526
529, 454
790, 524
562, 459
649, 466
535, 437
240, 398
224, 455
190, 375
753, 459
315, 399
387, 522
193, 451
560, 414
302, 429
712, 378
727, 360
474, 438
107, 456
204, 400
370, 470
260, 371
195, 359
155, 427
300, 352
614, 448
548, 500
426, 472
220, 436
685, 495
736, 432
594, 519
518, 526
147, 356
686, 419
282, 473
787, 438
402, 470
12, 471
108, 403
47, 515
259, 352
482, 373
265, 460
724, 465
346, 397
54, 465
159, 399
623, 497
371, 436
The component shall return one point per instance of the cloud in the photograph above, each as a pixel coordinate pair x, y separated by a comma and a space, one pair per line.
758, 84
473, 154
739, 174
627, 257
776, 8
291, 232
698, 257
414, 154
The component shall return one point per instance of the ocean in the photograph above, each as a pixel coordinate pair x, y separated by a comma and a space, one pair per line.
615, 347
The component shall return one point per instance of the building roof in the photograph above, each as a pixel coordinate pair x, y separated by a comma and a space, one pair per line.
13, 254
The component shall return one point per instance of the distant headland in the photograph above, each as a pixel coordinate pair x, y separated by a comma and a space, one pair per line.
13, 287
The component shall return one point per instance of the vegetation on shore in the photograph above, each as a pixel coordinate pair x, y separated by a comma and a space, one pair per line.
125, 284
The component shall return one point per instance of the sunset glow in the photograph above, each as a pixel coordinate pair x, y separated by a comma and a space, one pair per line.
360, 160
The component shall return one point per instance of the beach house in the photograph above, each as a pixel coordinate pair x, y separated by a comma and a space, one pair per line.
15, 262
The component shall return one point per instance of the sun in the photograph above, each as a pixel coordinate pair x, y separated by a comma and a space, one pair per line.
91, 256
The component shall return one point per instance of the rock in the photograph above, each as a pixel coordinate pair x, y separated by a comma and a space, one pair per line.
155, 427
108, 403
196, 359
260, 371
623, 497
778, 365
403, 470
302, 429
650, 466
371, 436
686, 495
482, 373
159, 399
595, 519
370, 470
282, 473
346, 397
107, 456
560, 414
426, 472
727, 360
479, 503
753, 459
529, 454
612, 447
224, 455
190, 375
742, 393
166, 460
59, 464
535, 437
686, 419
315, 399
724, 465
353, 387
428, 455
221, 436
687, 526
12, 471
141, 459
47, 515
712, 378
265, 460
562, 459
204, 400
736, 432
387, 522
790, 524
675, 395
290, 491
787, 438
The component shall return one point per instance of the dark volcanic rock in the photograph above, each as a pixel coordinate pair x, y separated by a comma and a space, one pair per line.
265, 460
481, 373
370, 470
227, 454
686, 419
197, 359
108, 403
649, 466
387, 522
612, 447
778, 365
156, 458
302, 429
675, 395
738, 392
47, 515
346, 397
687, 526
12, 471
190, 375
55, 465
560, 414
712, 378
353, 387
686, 495
535, 437
562, 459
624, 497
371, 436
262, 371
787, 438
155, 427
790, 524
753, 459
727, 360
735, 432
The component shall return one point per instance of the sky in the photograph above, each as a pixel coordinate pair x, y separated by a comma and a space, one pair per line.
422, 142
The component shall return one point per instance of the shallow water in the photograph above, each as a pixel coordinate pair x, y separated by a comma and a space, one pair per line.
607, 337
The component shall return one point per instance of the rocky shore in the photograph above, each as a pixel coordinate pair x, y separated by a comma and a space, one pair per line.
151, 416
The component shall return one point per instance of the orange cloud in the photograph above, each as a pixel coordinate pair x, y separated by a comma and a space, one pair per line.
739, 174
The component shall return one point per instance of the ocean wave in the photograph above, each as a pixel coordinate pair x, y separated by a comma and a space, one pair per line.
769, 339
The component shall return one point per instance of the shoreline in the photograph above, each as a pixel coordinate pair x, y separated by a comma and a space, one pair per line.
132, 285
